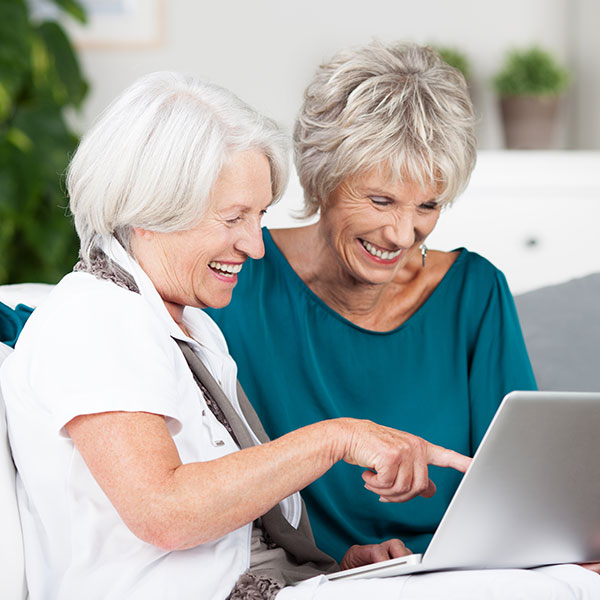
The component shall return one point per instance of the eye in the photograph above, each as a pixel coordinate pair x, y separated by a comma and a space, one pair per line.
428, 206
234, 220
380, 200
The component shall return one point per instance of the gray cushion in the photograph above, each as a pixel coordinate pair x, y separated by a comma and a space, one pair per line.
561, 325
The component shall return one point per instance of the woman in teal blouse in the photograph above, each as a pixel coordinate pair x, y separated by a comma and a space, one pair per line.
352, 316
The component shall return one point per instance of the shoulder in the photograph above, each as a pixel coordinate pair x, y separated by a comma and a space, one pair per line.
82, 297
78, 286
4, 351
294, 243
289, 237
478, 275
85, 312
475, 290
94, 347
477, 265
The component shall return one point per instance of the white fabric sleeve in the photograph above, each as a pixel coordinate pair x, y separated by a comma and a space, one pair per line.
4, 351
100, 352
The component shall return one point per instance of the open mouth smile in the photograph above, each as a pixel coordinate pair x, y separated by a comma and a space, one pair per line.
380, 253
225, 269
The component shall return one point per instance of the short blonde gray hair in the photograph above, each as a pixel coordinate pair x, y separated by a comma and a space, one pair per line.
153, 156
397, 106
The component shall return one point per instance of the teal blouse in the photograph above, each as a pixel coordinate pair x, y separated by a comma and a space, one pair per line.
11, 322
440, 375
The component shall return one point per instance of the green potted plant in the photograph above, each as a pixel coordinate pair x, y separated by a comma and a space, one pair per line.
530, 85
40, 78
458, 59
455, 58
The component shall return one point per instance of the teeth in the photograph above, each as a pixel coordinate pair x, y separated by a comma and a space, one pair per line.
225, 268
385, 255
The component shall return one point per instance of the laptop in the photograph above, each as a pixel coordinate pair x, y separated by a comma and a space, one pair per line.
531, 496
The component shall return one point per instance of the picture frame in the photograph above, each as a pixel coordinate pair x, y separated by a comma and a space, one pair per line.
120, 24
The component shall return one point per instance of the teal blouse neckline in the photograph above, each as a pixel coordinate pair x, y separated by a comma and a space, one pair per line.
278, 255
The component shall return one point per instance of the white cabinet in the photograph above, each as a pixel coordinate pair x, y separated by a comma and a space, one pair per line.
535, 215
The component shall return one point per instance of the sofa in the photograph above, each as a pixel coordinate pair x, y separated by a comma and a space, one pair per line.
561, 325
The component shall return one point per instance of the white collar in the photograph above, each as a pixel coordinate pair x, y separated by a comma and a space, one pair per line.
207, 341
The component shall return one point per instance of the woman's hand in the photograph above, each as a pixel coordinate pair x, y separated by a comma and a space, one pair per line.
357, 556
591, 566
397, 461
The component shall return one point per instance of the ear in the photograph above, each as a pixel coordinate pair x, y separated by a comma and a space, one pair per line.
142, 234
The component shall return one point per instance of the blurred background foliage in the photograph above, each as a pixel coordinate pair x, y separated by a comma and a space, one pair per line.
40, 78
531, 72
455, 58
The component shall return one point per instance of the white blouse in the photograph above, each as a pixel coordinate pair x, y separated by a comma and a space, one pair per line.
94, 347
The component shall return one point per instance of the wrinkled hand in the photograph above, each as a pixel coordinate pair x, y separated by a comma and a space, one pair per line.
591, 566
397, 461
357, 556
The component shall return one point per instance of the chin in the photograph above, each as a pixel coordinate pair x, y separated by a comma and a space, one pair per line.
217, 302
374, 276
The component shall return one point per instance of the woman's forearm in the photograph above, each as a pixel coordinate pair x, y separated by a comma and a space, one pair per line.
174, 506
246, 484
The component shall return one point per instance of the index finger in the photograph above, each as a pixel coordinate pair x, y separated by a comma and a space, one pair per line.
442, 457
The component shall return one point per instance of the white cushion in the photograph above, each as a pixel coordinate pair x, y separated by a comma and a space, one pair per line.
12, 568
30, 294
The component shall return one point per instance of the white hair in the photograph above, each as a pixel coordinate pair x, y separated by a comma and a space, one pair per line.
397, 107
153, 156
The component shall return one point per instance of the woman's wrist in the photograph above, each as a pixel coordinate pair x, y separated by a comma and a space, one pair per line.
338, 434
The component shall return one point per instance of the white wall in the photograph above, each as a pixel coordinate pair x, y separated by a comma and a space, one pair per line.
267, 50
585, 48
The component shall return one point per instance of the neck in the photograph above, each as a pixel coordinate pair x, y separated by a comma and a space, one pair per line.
176, 312
351, 297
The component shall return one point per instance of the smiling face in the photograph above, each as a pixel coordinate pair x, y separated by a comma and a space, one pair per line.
375, 224
199, 266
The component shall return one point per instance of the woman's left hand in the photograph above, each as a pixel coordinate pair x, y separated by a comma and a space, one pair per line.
591, 566
357, 556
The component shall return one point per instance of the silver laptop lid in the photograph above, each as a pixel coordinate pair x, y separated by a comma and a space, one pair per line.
532, 494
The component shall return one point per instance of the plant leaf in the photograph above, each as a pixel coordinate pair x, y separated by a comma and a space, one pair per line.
60, 69
531, 72
39, 241
39, 77
14, 52
73, 8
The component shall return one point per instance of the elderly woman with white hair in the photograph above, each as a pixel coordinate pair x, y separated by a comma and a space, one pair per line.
352, 315
142, 470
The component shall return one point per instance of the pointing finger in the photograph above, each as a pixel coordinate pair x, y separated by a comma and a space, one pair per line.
442, 457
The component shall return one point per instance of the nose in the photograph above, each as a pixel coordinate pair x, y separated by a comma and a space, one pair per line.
250, 241
401, 232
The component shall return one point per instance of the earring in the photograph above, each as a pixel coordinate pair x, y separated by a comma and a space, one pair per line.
423, 254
